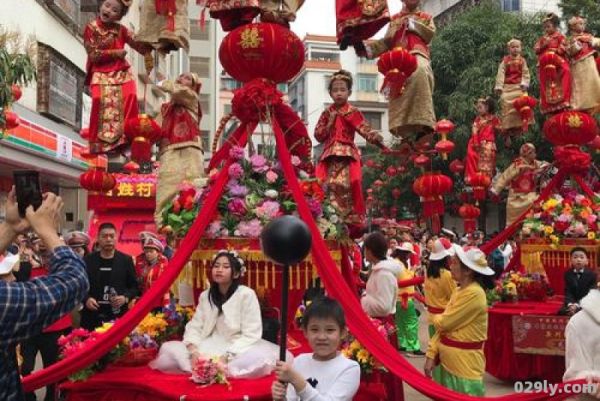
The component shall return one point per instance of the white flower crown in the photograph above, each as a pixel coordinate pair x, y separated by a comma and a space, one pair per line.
233, 253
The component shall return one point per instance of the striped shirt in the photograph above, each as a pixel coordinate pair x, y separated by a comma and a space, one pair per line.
27, 307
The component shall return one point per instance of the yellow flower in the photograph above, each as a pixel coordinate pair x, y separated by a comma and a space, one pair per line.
591, 235
104, 328
355, 345
548, 230
363, 356
554, 239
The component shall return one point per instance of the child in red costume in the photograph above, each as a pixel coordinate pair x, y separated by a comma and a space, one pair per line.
481, 148
114, 97
339, 165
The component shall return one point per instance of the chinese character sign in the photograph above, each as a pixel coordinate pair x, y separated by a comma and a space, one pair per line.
537, 334
134, 186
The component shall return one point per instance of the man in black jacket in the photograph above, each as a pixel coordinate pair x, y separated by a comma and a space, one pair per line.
579, 280
112, 279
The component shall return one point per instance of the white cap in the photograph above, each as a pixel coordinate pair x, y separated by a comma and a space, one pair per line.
407, 247
442, 248
448, 232
8, 263
474, 259
143, 235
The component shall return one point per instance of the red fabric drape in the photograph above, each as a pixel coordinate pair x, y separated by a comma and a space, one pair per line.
356, 318
126, 324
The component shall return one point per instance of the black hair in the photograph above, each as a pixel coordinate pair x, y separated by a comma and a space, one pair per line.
489, 103
486, 282
324, 308
434, 268
341, 75
553, 18
312, 293
214, 295
400, 254
377, 244
107, 225
579, 249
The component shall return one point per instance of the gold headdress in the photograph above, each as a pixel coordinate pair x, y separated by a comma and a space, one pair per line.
513, 41
576, 19
551, 17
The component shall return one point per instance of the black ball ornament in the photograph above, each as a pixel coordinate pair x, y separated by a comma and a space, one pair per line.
286, 240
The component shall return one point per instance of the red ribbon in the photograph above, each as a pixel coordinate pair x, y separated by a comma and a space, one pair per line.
461, 344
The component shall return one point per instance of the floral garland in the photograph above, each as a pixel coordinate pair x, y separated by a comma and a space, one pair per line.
255, 194
514, 286
233, 253
570, 215
353, 349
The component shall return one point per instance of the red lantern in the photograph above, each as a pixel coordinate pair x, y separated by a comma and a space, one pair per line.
524, 105
480, 183
11, 119
570, 128
131, 167
444, 127
457, 166
262, 51
444, 147
469, 213
431, 187
396, 192
16, 92
97, 180
422, 161
550, 62
142, 131
84, 133
391, 171
396, 65
370, 163
393, 212
378, 184
595, 144
401, 169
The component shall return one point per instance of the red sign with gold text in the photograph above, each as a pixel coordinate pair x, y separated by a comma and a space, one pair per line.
539, 334
134, 186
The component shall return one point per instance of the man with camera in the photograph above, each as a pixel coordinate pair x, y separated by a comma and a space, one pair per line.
27, 308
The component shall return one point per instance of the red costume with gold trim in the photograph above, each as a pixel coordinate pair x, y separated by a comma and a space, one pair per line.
339, 166
481, 148
234, 13
512, 80
360, 19
585, 83
114, 94
555, 83
148, 273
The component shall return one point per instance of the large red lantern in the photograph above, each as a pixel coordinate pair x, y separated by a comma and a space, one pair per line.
431, 187
469, 213
570, 128
396, 65
457, 166
142, 131
97, 180
16, 92
480, 183
524, 105
262, 51
11, 119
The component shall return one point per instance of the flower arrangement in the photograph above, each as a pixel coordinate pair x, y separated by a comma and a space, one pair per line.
570, 215
207, 371
513, 286
255, 194
139, 347
354, 350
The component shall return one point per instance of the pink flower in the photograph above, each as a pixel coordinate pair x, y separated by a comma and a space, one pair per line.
237, 207
268, 210
259, 164
250, 229
236, 153
271, 176
591, 219
296, 161
214, 229
236, 171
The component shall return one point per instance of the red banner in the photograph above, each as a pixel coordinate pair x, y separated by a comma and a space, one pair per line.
134, 186
539, 334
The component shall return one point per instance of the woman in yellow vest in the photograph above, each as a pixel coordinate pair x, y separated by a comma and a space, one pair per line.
407, 321
457, 346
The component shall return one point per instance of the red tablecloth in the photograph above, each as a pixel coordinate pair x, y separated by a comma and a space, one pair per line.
502, 362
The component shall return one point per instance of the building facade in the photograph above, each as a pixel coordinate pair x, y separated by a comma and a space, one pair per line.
309, 95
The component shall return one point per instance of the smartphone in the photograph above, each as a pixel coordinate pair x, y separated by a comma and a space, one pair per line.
29, 191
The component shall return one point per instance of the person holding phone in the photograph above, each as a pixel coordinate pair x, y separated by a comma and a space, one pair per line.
26, 308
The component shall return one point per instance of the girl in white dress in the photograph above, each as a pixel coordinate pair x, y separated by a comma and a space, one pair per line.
227, 324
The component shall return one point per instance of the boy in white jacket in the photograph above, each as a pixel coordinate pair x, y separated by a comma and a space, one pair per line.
379, 299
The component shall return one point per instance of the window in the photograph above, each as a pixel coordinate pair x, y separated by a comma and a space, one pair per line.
364, 60
200, 65
226, 108
283, 87
204, 103
323, 55
230, 84
511, 5
196, 31
205, 136
367, 83
374, 119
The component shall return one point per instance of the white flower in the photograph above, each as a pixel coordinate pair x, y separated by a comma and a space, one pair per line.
334, 219
271, 193
303, 174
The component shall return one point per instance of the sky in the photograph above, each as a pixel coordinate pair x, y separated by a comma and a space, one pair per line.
318, 17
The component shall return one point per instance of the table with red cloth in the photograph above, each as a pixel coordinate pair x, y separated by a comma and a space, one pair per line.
501, 360
118, 383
